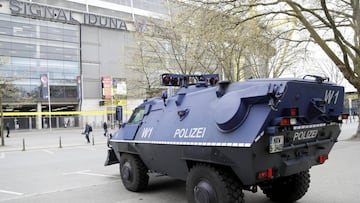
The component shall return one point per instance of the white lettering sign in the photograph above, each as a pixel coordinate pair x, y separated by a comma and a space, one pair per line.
304, 135
146, 133
331, 96
192, 133
34, 10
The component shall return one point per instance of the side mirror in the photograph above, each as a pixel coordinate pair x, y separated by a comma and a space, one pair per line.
119, 113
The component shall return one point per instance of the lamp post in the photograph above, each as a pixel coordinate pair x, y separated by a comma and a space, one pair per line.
1, 123
49, 102
112, 108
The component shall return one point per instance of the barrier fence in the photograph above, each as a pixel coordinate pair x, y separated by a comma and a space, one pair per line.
68, 119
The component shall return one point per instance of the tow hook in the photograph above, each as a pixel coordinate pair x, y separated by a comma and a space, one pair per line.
254, 189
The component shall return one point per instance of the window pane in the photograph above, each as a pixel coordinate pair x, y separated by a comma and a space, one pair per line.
31, 47
121, 2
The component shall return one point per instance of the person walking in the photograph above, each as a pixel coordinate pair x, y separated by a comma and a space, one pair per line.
105, 129
7, 129
87, 131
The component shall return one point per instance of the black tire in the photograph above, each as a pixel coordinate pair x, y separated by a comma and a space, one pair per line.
133, 173
205, 184
287, 189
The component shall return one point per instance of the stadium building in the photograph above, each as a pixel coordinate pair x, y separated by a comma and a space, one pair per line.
68, 60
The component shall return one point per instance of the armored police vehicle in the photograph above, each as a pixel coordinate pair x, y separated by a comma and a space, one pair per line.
224, 137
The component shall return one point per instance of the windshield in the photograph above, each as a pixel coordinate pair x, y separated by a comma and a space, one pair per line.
137, 115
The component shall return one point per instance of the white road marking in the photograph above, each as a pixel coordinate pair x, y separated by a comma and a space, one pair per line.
97, 174
11, 192
2, 155
87, 172
87, 147
47, 151
76, 172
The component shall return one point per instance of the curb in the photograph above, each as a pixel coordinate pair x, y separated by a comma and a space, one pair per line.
15, 149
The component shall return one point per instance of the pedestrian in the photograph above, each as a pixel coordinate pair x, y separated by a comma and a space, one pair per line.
105, 129
7, 129
87, 131
354, 115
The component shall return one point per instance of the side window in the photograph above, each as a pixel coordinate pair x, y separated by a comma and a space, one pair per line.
137, 115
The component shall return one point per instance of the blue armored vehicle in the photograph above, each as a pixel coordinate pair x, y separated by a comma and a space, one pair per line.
223, 137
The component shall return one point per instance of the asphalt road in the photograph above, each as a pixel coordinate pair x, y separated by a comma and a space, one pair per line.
76, 174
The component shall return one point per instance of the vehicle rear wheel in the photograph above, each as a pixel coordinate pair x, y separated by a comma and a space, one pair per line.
287, 189
206, 184
133, 173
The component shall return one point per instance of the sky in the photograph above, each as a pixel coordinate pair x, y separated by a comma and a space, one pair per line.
316, 58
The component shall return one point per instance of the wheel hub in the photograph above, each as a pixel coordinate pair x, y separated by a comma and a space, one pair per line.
204, 193
126, 171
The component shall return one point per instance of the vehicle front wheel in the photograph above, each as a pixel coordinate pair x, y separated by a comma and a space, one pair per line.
133, 173
206, 184
287, 189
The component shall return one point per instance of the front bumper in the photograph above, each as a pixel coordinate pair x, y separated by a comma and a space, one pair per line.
111, 158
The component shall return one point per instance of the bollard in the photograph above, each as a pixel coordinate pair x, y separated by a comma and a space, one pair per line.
60, 146
93, 140
23, 144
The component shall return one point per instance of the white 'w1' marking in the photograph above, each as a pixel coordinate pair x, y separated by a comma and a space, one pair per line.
330, 95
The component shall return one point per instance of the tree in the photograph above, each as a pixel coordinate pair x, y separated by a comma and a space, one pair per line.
146, 70
199, 40
7, 90
331, 24
330, 70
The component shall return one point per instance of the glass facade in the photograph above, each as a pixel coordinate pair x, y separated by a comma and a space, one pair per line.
63, 4
151, 5
109, 12
30, 48
36, 46
156, 6
120, 2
